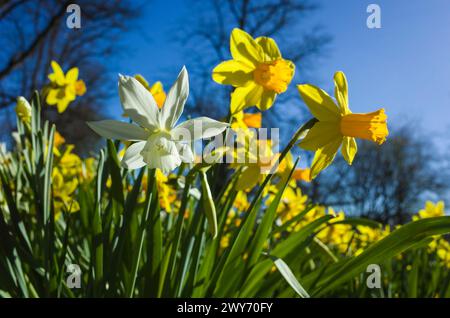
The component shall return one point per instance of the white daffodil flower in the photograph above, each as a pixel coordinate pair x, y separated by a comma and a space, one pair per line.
159, 142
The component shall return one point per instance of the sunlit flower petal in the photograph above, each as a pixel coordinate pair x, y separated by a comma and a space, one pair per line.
133, 158
113, 129
175, 100
198, 128
138, 103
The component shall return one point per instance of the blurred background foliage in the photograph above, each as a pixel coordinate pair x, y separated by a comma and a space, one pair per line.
33, 33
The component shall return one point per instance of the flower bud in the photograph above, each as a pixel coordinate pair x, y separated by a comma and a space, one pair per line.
23, 109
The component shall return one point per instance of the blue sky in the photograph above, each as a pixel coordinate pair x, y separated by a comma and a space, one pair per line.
403, 67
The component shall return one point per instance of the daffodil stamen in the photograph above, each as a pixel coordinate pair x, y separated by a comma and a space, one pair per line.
370, 126
274, 76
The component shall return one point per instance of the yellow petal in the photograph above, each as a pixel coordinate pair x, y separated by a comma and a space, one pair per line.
62, 105
244, 48
267, 100
52, 97
58, 74
269, 47
319, 103
70, 92
349, 149
341, 91
158, 93
249, 177
253, 120
157, 88
244, 97
302, 174
324, 157
142, 80
232, 72
72, 75
319, 135
80, 88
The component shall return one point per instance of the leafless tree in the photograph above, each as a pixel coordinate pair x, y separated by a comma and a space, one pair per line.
387, 183
32, 33
205, 37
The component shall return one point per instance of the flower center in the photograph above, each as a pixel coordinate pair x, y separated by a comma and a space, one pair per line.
370, 126
274, 76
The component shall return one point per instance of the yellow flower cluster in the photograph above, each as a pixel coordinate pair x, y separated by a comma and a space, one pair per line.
65, 177
259, 73
439, 245
431, 210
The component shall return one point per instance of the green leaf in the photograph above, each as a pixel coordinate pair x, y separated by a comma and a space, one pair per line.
286, 272
208, 204
398, 241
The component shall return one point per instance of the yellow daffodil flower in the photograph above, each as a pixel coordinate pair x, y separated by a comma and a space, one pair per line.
299, 174
157, 90
256, 161
443, 252
63, 190
257, 70
23, 110
63, 89
292, 203
241, 202
69, 163
88, 169
243, 120
337, 125
166, 194
225, 241
431, 210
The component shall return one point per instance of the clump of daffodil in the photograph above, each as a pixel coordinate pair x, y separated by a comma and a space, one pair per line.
337, 235
257, 71
68, 167
443, 251
337, 125
167, 195
293, 202
23, 110
159, 142
64, 192
431, 210
63, 88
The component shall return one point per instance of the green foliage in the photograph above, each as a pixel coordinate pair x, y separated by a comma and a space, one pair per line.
125, 246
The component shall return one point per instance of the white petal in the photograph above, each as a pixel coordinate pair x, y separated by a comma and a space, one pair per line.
133, 158
185, 152
175, 100
160, 152
198, 128
138, 102
113, 129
